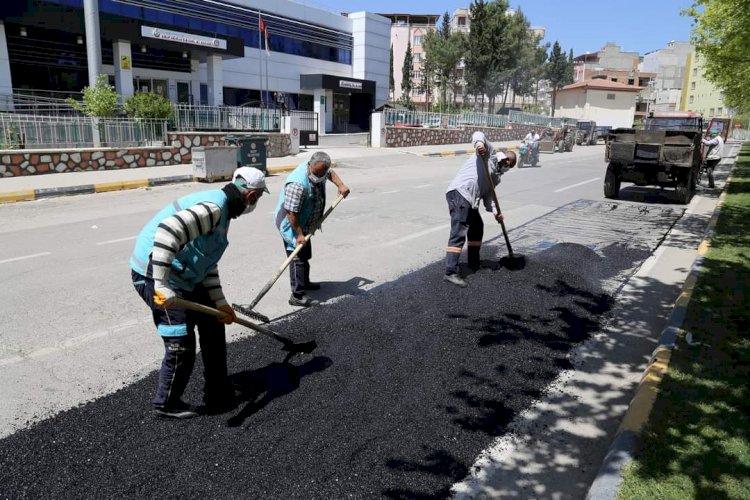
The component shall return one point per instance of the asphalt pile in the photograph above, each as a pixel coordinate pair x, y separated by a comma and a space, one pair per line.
410, 381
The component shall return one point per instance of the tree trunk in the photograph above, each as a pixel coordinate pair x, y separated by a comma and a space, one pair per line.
552, 108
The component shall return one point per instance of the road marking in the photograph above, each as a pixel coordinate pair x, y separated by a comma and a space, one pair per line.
71, 343
119, 240
414, 236
422, 186
576, 185
32, 256
391, 192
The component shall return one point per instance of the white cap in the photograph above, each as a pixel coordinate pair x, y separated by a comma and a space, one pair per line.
251, 177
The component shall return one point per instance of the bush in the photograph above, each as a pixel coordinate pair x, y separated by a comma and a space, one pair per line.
99, 101
149, 105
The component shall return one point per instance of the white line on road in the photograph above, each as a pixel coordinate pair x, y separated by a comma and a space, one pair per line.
422, 186
391, 192
71, 343
119, 240
413, 236
576, 185
32, 256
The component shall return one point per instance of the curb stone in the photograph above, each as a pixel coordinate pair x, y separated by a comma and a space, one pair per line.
36, 194
608, 479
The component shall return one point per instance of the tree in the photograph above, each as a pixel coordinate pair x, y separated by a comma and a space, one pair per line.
391, 83
721, 36
149, 105
407, 72
559, 71
444, 49
478, 59
99, 100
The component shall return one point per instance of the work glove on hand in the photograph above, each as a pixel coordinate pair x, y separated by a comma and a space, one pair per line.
164, 296
231, 318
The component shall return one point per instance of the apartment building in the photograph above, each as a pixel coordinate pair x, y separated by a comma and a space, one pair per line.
699, 94
669, 65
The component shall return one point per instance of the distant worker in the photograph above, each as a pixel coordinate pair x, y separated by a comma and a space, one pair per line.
532, 136
301, 205
464, 194
714, 153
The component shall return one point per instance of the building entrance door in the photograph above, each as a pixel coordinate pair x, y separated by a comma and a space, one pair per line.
183, 93
340, 113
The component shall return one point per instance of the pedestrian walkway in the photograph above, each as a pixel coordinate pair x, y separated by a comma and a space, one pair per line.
34, 187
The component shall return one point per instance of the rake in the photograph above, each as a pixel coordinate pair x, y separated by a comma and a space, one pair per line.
290, 346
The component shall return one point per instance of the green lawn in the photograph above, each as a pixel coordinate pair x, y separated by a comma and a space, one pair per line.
697, 443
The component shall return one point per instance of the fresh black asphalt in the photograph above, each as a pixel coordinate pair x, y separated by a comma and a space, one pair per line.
411, 380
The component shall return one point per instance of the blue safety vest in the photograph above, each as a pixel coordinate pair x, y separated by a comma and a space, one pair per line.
197, 257
298, 176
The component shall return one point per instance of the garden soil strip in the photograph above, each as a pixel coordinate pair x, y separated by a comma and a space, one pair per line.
411, 380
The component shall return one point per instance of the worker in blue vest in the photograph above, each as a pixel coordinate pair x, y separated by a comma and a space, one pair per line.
298, 212
176, 255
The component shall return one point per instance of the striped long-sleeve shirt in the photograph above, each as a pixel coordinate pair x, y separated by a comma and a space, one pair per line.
177, 231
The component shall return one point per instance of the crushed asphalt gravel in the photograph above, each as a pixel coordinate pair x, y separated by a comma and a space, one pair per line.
410, 381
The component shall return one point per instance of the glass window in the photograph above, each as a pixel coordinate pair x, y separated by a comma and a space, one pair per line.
691, 99
719, 111
610, 97
417, 40
692, 85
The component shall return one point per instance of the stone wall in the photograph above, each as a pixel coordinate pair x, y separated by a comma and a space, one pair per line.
20, 162
399, 137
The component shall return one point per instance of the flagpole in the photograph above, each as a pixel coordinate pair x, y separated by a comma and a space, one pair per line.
260, 61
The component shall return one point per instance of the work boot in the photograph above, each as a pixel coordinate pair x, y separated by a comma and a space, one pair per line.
455, 279
474, 263
309, 285
180, 410
303, 301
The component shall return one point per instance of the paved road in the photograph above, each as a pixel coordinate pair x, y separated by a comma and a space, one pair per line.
75, 330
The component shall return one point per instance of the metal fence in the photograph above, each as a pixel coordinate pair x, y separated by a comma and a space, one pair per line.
541, 120
224, 118
34, 105
28, 132
407, 118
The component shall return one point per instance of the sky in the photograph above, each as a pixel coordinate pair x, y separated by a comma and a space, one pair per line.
583, 25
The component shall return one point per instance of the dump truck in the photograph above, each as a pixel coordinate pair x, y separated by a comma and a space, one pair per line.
666, 152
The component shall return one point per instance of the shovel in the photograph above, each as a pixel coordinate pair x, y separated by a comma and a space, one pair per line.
289, 346
249, 309
511, 261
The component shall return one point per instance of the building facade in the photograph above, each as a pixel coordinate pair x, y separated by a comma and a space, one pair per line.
700, 95
612, 64
199, 52
408, 29
606, 102
669, 65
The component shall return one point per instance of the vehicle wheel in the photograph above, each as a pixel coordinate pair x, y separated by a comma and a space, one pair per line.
684, 191
612, 183
534, 161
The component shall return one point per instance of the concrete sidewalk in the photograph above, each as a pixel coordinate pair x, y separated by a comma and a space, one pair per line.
33, 187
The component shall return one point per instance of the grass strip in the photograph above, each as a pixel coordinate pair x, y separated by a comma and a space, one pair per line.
697, 441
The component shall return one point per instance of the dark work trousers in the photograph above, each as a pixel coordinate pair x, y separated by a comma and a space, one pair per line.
465, 223
179, 352
299, 269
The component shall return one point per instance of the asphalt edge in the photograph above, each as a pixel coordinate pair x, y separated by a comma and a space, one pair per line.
37, 194
608, 480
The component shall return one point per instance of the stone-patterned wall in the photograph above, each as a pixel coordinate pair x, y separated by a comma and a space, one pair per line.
15, 163
278, 144
399, 137
34, 162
